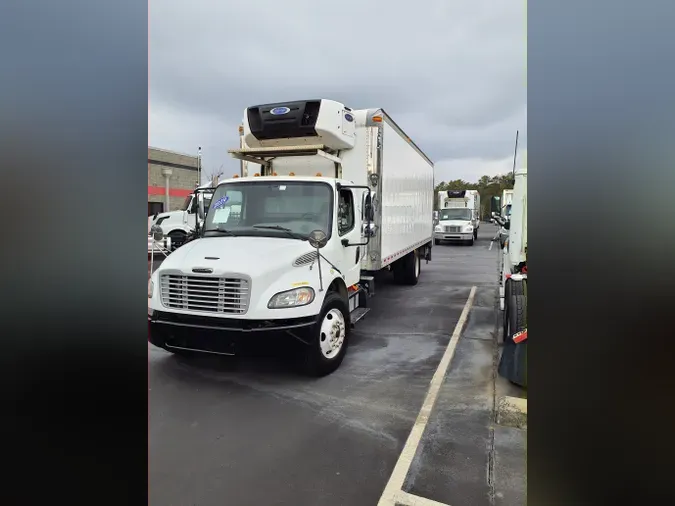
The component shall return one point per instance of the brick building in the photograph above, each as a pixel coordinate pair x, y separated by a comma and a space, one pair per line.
181, 172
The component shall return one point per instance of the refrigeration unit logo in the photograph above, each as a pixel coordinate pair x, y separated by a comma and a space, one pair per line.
280, 111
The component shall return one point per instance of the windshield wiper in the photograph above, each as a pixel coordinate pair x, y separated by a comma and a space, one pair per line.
221, 230
292, 234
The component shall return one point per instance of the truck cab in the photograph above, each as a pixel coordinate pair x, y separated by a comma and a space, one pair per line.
458, 216
177, 225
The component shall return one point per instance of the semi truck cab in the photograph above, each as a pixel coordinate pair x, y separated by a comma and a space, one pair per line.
178, 225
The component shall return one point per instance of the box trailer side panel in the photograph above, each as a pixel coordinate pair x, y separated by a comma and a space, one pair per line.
407, 196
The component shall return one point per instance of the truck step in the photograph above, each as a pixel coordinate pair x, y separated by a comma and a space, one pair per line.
359, 313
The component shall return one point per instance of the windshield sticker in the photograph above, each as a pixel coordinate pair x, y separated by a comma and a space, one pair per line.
221, 215
282, 187
220, 202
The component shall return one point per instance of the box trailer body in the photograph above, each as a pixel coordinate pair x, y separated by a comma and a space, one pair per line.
340, 194
459, 216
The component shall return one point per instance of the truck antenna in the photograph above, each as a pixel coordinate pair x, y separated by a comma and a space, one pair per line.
515, 152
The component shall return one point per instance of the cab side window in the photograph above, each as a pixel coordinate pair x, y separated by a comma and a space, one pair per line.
345, 212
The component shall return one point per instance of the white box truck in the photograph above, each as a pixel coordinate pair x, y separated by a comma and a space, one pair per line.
179, 225
458, 215
292, 250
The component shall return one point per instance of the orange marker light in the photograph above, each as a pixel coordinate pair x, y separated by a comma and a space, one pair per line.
318, 174
275, 174
291, 173
235, 176
241, 129
256, 175
377, 119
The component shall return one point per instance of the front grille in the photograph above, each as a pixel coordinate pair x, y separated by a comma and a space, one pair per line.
453, 229
204, 293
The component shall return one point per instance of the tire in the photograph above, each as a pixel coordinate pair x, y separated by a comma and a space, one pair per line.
475, 233
511, 288
517, 373
319, 358
437, 242
178, 237
470, 242
407, 269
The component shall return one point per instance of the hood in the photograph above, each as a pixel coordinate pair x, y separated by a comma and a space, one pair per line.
243, 255
169, 213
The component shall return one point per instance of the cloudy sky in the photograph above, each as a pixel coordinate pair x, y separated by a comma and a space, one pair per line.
452, 73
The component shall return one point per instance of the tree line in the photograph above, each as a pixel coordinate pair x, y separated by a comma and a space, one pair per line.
487, 186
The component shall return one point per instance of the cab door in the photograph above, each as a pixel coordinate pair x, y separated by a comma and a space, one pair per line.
348, 220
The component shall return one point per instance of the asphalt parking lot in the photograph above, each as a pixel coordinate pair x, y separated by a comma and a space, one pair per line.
250, 430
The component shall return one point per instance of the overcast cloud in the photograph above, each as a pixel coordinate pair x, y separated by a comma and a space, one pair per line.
450, 72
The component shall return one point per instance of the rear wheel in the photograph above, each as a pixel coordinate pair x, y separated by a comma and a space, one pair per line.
329, 337
407, 269
517, 373
511, 288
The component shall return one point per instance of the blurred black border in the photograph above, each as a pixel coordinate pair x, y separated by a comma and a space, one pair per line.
73, 125
73, 132
601, 131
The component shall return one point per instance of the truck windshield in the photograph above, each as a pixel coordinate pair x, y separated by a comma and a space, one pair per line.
287, 209
456, 214
188, 201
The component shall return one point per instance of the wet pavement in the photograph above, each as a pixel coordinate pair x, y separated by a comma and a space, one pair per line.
251, 430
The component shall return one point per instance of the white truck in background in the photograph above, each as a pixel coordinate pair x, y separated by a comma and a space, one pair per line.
178, 225
513, 284
458, 215
292, 251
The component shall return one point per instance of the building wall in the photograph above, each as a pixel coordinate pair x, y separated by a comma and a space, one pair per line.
181, 182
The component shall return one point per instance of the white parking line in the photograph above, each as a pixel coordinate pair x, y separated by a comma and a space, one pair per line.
398, 475
406, 499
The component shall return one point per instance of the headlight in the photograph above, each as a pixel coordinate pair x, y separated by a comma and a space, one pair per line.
439, 229
469, 228
151, 288
292, 298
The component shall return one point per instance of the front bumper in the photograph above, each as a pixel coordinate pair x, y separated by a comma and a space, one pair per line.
452, 236
223, 336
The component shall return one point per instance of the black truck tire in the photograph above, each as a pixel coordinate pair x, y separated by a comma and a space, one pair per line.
178, 237
407, 269
332, 325
517, 370
511, 288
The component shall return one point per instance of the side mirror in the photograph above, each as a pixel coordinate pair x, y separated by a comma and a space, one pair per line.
317, 239
157, 232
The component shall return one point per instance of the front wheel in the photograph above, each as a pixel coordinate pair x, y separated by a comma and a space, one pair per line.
178, 238
329, 337
475, 233
437, 242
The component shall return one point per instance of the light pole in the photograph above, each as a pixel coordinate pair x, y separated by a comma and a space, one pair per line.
199, 166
